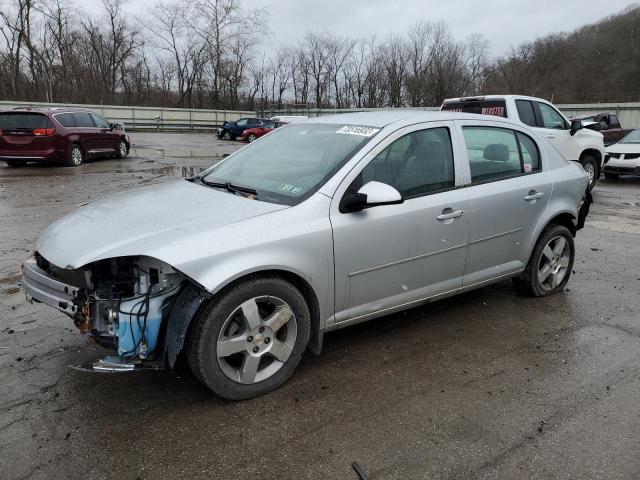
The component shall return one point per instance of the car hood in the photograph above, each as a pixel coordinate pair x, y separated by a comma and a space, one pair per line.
144, 222
624, 148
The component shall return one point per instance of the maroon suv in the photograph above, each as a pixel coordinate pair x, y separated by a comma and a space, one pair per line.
60, 135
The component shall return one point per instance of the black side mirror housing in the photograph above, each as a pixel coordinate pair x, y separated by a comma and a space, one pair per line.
353, 202
575, 126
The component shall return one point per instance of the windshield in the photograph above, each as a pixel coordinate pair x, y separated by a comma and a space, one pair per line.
292, 162
632, 137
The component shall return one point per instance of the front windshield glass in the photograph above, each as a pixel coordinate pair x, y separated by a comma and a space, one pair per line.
292, 162
632, 137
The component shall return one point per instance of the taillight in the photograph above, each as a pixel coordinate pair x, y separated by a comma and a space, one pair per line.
44, 132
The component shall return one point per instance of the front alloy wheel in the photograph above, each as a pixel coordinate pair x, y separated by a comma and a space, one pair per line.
554, 262
251, 137
122, 149
249, 339
226, 135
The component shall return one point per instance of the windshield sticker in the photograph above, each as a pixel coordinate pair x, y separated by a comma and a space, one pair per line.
362, 131
285, 187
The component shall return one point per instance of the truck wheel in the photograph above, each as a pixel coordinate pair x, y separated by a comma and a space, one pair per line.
590, 166
248, 340
550, 265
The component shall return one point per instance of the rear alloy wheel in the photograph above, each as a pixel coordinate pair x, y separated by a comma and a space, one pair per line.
123, 149
226, 135
550, 265
589, 165
76, 157
252, 137
249, 340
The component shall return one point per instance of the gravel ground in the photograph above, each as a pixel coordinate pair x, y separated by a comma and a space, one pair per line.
485, 385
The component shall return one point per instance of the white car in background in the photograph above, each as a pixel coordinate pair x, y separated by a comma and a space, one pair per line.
623, 158
574, 142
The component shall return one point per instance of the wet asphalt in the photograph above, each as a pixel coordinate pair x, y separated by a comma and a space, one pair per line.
486, 385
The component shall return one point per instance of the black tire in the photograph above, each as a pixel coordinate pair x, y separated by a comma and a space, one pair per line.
252, 137
590, 165
528, 282
611, 176
226, 135
206, 327
123, 150
76, 156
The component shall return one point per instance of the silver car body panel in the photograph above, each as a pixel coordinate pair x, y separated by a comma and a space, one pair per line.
386, 258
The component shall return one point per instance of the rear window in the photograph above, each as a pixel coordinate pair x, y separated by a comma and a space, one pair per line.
66, 119
497, 108
22, 121
83, 120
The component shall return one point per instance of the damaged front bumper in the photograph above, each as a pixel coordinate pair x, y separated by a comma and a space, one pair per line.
124, 303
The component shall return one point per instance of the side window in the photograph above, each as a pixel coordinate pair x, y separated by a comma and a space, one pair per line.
551, 118
493, 153
526, 113
530, 154
416, 164
83, 120
242, 122
613, 122
99, 121
66, 119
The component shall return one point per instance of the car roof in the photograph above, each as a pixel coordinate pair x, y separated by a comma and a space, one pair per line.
495, 97
47, 109
400, 117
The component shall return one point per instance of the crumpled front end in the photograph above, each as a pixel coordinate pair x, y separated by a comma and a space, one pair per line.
123, 303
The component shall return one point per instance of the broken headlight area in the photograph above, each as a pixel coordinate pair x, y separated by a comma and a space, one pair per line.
123, 302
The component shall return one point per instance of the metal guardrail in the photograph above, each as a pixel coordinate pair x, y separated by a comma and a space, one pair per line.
184, 119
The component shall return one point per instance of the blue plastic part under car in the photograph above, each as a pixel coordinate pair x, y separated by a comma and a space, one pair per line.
131, 326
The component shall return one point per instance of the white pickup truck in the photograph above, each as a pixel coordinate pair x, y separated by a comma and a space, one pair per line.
570, 138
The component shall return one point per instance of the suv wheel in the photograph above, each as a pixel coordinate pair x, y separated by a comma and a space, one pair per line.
248, 340
550, 265
123, 149
76, 157
590, 166
252, 137
226, 135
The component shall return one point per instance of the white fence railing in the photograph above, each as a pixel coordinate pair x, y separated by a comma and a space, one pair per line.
160, 118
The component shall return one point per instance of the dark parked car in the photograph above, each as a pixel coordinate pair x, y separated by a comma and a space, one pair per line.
607, 124
58, 135
233, 130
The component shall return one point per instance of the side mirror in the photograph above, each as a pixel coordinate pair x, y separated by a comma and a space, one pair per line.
112, 126
372, 194
575, 126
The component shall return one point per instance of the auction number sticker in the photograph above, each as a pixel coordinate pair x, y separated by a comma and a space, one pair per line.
285, 187
361, 131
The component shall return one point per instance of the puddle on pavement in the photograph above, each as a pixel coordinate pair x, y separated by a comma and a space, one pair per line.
175, 153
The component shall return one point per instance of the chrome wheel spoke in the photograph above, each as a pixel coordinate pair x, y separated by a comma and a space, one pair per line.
251, 313
231, 346
547, 252
544, 273
280, 350
249, 368
279, 318
559, 246
564, 262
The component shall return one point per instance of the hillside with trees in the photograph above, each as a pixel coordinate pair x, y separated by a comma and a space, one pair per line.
220, 54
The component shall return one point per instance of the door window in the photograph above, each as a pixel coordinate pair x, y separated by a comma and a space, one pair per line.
242, 122
526, 113
83, 120
493, 153
99, 121
416, 164
551, 118
613, 122
530, 153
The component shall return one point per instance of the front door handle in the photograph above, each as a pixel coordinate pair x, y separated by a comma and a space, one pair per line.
551, 136
532, 196
450, 214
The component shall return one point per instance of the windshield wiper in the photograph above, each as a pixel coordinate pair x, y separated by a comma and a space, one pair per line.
230, 187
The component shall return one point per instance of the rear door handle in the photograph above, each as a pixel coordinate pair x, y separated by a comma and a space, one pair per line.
450, 214
533, 196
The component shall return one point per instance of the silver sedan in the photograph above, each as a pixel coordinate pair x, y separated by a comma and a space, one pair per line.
314, 227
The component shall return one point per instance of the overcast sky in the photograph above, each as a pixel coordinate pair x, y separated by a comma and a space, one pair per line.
504, 23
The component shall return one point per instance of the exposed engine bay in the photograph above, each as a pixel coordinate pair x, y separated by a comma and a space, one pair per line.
124, 303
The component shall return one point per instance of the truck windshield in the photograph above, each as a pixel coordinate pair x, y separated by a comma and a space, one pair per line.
632, 137
292, 162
